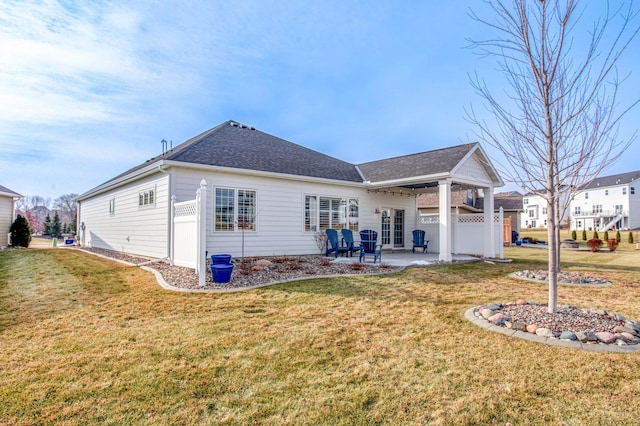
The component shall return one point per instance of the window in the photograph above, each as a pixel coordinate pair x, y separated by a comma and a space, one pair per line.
633, 190
606, 192
147, 198
618, 208
525, 201
532, 213
234, 209
586, 195
624, 190
576, 210
544, 210
112, 206
596, 208
322, 213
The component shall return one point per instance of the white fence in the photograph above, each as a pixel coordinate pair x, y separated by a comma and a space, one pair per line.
185, 241
468, 233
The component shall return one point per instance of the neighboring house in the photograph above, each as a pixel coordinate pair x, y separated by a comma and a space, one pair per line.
8, 200
263, 196
462, 199
534, 211
609, 202
511, 205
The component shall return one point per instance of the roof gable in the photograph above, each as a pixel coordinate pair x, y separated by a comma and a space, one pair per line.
427, 163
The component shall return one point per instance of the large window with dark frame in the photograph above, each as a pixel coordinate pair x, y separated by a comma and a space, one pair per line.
322, 213
235, 209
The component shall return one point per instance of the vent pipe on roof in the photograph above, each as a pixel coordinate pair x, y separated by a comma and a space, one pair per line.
164, 146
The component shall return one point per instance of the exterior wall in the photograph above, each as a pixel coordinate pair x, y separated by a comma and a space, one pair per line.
473, 171
6, 218
130, 228
598, 205
634, 205
538, 205
280, 208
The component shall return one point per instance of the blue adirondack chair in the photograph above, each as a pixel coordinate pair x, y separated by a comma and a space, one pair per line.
418, 241
333, 244
369, 245
347, 236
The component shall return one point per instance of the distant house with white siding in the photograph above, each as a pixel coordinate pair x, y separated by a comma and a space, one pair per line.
267, 196
608, 202
8, 200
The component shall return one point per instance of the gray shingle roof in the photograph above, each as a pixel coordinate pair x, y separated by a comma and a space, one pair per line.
7, 191
613, 180
420, 164
241, 147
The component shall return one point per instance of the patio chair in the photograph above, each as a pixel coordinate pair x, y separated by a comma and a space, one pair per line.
333, 244
369, 246
418, 241
347, 236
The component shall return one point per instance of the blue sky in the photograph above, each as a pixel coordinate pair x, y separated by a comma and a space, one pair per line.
89, 89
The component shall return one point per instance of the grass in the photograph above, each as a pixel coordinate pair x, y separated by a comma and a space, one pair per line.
85, 341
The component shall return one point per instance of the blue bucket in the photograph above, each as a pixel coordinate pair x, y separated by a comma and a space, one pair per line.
221, 259
221, 273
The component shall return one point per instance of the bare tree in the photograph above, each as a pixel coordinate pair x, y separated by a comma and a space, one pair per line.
34, 208
558, 125
66, 207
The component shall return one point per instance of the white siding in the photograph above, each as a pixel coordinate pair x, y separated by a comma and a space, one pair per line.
634, 205
131, 228
6, 216
280, 211
472, 171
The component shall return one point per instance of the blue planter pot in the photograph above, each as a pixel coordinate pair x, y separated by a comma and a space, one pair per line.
221, 259
221, 273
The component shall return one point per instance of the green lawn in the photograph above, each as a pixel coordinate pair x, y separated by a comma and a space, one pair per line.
85, 341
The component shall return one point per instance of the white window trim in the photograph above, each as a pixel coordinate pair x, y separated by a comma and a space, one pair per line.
147, 194
316, 220
112, 206
236, 209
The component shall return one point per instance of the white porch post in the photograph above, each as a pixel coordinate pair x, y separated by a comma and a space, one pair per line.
501, 232
202, 233
444, 187
489, 227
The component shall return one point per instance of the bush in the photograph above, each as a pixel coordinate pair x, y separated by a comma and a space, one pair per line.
595, 235
630, 237
594, 244
574, 235
612, 244
584, 235
606, 236
20, 232
618, 236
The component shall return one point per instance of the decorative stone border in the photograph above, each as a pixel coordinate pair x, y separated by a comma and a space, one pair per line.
551, 341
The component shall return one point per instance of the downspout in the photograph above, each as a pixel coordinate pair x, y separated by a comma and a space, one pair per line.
169, 215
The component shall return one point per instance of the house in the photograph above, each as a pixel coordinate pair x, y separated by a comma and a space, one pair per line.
534, 210
608, 202
8, 200
254, 194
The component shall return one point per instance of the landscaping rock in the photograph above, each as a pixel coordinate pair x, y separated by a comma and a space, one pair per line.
586, 336
567, 335
486, 313
531, 328
521, 302
494, 306
606, 337
519, 325
624, 329
496, 317
544, 332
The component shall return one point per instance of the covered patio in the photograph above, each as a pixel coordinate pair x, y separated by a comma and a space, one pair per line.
441, 171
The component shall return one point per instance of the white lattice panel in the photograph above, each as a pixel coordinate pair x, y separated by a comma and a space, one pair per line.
471, 218
187, 208
429, 220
